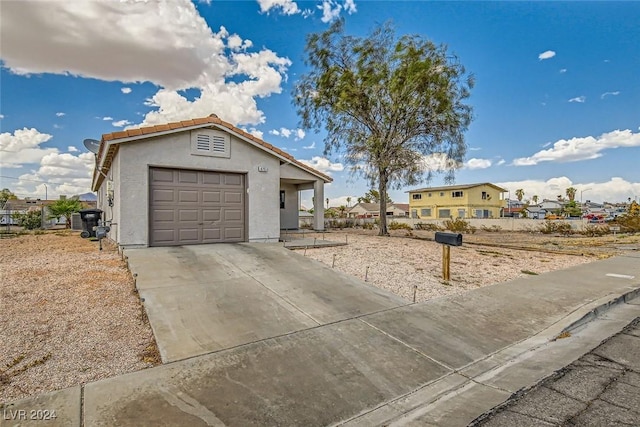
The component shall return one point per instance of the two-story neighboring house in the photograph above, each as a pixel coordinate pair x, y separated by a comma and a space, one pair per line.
483, 200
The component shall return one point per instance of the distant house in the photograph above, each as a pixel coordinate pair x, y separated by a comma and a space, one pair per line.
483, 200
372, 210
535, 212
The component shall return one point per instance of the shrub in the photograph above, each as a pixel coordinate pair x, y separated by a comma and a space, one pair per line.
555, 227
492, 229
629, 223
459, 225
428, 226
30, 220
393, 225
595, 230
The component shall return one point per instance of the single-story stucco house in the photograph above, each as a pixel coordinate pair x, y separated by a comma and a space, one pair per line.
199, 181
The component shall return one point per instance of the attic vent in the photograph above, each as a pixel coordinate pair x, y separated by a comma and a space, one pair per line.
209, 142
219, 144
203, 142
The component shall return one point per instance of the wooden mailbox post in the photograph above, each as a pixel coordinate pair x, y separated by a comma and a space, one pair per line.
447, 240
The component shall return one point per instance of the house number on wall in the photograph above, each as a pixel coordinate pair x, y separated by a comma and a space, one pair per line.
263, 169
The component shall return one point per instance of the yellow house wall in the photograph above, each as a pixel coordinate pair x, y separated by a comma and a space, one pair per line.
470, 202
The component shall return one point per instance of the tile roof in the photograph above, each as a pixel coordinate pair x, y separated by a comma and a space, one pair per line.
149, 131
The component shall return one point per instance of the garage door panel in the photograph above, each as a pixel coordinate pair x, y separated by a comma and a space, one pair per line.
211, 178
233, 179
163, 195
188, 196
234, 197
211, 215
209, 196
191, 207
187, 177
163, 215
233, 234
233, 215
188, 215
189, 235
162, 175
163, 236
211, 235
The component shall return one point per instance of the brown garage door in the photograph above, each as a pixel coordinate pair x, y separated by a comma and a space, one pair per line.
191, 207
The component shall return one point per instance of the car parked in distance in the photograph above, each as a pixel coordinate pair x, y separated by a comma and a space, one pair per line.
553, 216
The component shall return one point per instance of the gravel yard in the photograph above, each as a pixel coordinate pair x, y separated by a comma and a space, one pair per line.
68, 315
398, 264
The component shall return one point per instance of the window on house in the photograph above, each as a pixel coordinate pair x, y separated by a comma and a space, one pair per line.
444, 213
461, 213
414, 213
456, 194
484, 195
281, 199
429, 194
416, 196
425, 212
208, 142
442, 194
478, 213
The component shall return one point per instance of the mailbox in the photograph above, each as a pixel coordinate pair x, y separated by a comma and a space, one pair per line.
451, 239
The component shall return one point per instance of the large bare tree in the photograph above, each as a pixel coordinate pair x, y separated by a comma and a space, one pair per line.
387, 103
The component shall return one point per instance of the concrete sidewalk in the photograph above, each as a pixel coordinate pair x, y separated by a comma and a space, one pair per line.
442, 362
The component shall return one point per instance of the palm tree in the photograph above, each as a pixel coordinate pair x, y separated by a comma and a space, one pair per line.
519, 194
342, 210
327, 203
571, 193
348, 202
535, 199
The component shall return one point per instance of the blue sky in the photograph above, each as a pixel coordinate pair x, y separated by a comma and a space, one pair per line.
556, 102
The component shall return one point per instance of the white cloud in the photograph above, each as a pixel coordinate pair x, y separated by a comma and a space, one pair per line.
615, 93
439, 162
475, 148
580, 99
298, 134
72, 149
477, 164
563, 70
584, 148
323, 165
500, 162
1, 116
60, 114
131, 41
23, 146
121, 123
350, 6
287, 7
330, 10
548, 54
615, 190
310, 147
107, 118
255, 132
63, 174
125, 90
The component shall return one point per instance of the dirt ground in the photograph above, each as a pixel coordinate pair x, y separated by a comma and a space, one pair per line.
410, 265
68, 315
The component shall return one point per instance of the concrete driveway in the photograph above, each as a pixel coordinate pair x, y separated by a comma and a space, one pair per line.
206, 298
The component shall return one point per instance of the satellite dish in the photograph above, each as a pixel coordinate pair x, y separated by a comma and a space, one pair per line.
92, 145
